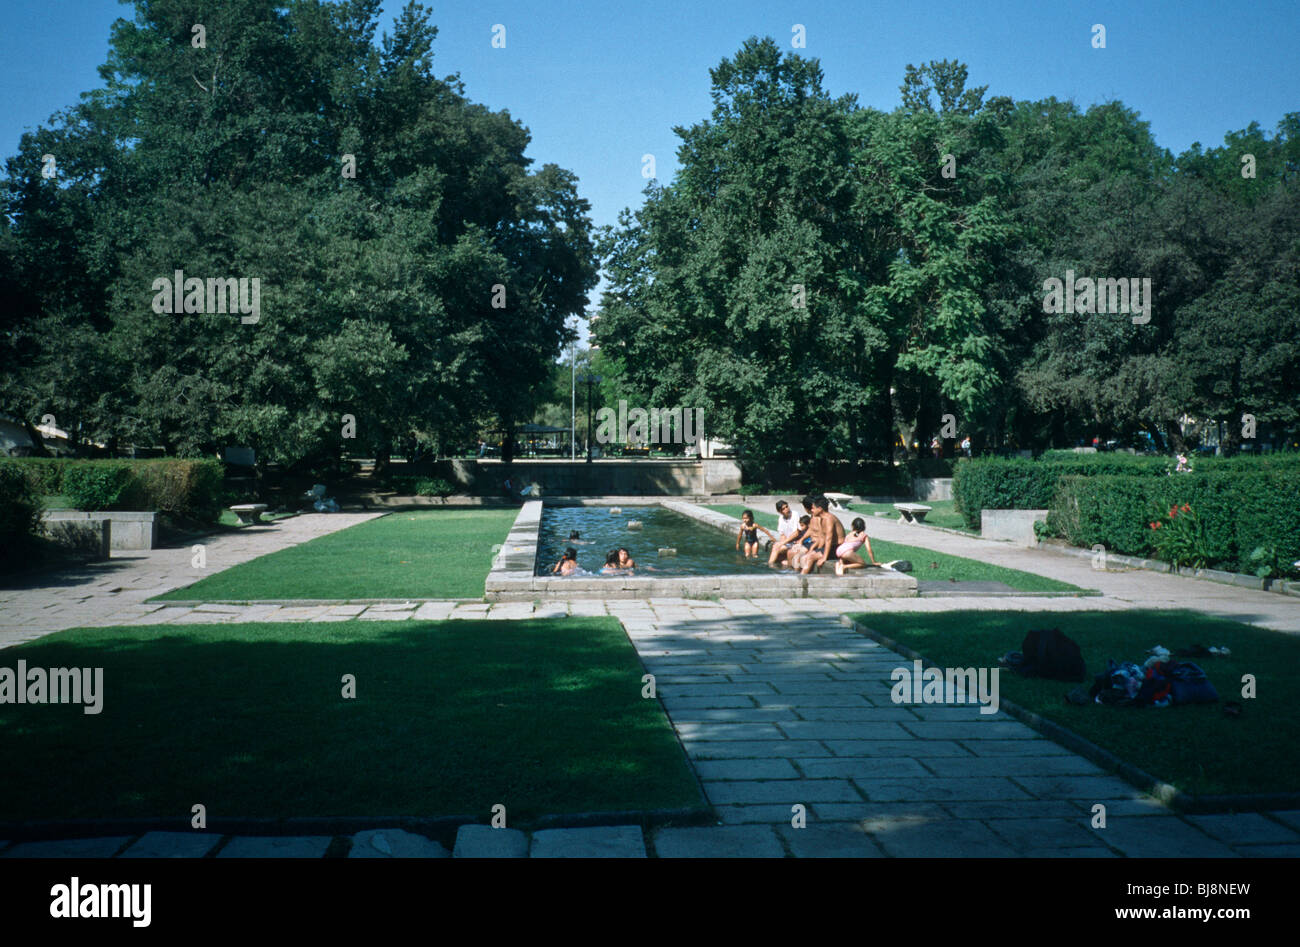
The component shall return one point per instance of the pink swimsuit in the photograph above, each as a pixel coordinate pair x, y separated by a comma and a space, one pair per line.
849, 546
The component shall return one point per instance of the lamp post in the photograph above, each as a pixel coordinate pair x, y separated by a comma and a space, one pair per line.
589, 379
573, 402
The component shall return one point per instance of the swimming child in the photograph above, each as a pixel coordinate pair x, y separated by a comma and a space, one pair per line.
575, 537
568, 563
625, 560
749, 533
847, 555
611, 566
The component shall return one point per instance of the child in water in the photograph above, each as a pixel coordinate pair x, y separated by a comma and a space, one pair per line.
625, 560
847, 556
612, 565
568, 563
748, 532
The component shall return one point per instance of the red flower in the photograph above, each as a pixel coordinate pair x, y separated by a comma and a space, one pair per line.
1186, 508
1155, 525
1173, 512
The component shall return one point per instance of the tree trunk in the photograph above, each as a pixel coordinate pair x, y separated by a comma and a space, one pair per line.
508, 443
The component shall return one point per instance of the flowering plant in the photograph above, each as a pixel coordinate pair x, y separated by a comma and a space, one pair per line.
1179, 538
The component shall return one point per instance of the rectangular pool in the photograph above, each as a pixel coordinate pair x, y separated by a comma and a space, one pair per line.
700, 549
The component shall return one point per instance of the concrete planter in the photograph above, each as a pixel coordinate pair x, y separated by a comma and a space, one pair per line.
1015, 525
86, 537
129, 530
932, 488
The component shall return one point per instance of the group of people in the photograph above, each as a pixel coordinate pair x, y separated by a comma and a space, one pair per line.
617, 561
808, 543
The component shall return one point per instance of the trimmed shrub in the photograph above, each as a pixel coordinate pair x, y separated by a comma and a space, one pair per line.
175, 486
1239, 511
20, 515
422, 486
1022, 484
95, 485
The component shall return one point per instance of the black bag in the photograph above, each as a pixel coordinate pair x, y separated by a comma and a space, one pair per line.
1190, 685
1052, 655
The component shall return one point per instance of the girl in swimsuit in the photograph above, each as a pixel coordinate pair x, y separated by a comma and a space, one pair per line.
749, 534
568, 563
847, 555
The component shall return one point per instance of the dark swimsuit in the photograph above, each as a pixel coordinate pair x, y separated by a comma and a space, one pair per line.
751, 535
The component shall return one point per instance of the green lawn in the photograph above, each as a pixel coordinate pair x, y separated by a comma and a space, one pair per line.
930, 565
941, 514
449, 718
425, 554
1194, 747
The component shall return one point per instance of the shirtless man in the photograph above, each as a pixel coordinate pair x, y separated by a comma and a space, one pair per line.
827, 532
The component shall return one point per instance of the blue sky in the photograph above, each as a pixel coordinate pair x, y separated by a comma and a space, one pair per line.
600, 84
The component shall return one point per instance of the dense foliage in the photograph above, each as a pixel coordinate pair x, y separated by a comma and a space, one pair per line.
424, 295
830, 280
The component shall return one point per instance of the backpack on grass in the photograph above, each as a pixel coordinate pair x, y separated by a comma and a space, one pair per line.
1053, 655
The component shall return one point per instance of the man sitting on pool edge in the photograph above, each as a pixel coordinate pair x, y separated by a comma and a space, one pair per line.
827, 532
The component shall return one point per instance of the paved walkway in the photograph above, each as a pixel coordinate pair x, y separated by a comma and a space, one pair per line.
779, 705
1120, 586
114, 592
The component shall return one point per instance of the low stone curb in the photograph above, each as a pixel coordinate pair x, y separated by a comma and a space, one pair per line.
1238, 579
44, 829
1168, 794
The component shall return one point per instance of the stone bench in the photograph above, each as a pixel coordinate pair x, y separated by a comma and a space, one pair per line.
250, 514
839, 501
130, 530
912, 512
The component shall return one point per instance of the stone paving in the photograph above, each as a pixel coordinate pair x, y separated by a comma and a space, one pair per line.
115, 592
777, 703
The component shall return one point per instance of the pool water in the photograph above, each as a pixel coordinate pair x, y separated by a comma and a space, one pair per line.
700, 549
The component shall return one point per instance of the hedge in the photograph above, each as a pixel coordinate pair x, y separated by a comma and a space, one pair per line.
1241, 509
20, 514
168, 485
1022, 484
422, 486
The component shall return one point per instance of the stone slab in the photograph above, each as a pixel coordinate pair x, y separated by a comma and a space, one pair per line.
1168, 837
68, 848
394, 843
1245, 828
726, 841
618, 841
942, 839
265, 846
783, 791
172, 845
483, 841
829, 841
746, 769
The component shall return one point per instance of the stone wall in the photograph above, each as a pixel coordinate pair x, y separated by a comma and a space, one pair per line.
599, 478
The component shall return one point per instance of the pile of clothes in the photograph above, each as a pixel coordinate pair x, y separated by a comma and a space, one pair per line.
1160, 682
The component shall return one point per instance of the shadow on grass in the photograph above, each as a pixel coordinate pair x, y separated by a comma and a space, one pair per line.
449, 718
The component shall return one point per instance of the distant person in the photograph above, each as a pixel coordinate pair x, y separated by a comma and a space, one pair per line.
965, 445
847, 555
576, 539
482, 447
568, 563
748, 533
936, 448
786, 527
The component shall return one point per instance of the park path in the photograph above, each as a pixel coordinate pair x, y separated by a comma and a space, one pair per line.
114, 592
1120, 586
